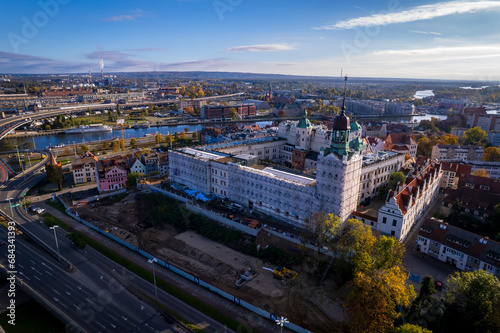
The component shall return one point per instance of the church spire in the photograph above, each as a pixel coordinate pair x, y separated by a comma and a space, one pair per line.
343, 102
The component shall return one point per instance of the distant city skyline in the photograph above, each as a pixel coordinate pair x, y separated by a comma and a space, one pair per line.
455, 40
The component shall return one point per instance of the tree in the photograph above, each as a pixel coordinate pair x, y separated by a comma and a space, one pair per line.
474, 136
472, 303
456, 208
281, 113
322, 227
105, 145
77, 239
89, 111
115, 146
158, 138
132, 179
424, 299
233, 113
176, 136
491, 154
183, 135
169, 139
395, 178
373, 299
481, 173
409, 328
133, 142
121, 143
84, 148
118, 108
195, 135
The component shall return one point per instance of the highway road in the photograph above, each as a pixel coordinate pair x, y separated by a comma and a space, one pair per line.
100, 294
90, 297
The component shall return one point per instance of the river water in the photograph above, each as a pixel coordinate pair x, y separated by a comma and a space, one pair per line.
42, 142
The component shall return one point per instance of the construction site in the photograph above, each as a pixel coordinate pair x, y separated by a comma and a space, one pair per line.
291, 291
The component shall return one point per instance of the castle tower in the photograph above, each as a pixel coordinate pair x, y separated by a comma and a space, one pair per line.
303, 131
338, 172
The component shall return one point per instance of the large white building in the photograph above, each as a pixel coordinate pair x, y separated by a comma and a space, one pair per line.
232, 171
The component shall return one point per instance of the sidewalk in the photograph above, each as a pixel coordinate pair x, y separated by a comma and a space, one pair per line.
230, 309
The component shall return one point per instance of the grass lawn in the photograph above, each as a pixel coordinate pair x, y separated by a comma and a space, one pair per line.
32, 318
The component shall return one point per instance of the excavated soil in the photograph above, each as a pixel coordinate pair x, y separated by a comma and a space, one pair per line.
302, 301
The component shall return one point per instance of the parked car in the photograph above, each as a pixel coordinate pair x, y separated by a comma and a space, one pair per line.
438, 285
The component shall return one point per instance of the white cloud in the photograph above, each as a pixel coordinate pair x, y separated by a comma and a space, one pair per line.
426, 32
261, 48
452, 51
424, 12
135, 15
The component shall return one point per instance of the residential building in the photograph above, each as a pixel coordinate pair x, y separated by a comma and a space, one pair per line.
193, 103
478, 203
111, 174
492, 168
480, 183
457, 153
494, 138
137, 166
151, 161
460, 248
83, 168
403, 143
488, 122
405, 205
163, 165
452, 173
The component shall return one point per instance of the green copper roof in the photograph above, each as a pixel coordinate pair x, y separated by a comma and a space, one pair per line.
304, 122
355, 126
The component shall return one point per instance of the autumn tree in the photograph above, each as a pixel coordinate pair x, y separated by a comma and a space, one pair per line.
84, 148
474, 136
409, 328
233, 113
373, 299
195, 135
133, 142
472, 303
158, 138
481, 173
321, 228
115, 146
281, 113
183, 135
491, 154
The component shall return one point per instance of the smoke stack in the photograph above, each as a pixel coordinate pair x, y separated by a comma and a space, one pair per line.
102, 75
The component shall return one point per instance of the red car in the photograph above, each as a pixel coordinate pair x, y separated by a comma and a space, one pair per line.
438, 285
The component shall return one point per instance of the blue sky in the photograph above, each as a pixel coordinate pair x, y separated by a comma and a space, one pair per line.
391, 38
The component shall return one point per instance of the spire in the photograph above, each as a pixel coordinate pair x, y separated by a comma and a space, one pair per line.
343, 102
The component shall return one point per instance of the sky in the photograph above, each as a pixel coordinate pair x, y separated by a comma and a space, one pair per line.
362, 38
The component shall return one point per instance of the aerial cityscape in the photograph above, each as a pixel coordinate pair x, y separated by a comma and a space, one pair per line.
250, 166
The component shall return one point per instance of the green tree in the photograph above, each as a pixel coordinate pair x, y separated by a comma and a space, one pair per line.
472, 303
115, 146
491, 154
409, 328
321, 228
132, 179
133, 142
89, 111
424, 298
77, 239
118, 108
474, 136
195, 136
395, 178
84, 148
105, 145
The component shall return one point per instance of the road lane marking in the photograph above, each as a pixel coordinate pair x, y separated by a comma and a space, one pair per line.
55, 291
33, 262
112, 317
33, 268
47, 266
98, 323
68, 286
36, 277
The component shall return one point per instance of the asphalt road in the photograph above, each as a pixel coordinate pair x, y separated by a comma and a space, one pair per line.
101, 296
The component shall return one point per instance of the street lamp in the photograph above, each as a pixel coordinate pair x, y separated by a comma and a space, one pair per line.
154, 277
55, 237
19, 159
11, 213
281, 321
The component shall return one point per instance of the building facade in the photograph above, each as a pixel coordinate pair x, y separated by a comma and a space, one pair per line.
459, 248
457, 153
111, 174
83, 168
